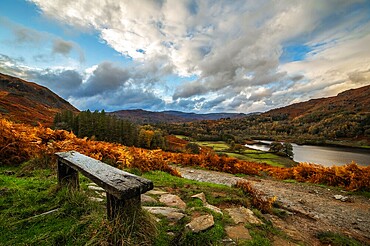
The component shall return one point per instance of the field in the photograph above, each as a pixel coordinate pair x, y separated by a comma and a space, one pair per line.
247, 154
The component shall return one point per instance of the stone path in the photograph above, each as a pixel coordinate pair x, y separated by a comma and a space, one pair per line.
175, 207
311, 208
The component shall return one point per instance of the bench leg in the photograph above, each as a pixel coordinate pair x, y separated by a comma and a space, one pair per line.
122, 208
67, 176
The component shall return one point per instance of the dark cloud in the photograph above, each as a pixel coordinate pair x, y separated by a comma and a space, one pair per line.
64, 82
62, 47
106, 77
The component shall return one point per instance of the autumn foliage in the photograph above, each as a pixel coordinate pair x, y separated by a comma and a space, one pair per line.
259, 199
19, 143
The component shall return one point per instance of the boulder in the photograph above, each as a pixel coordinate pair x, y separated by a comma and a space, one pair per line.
172, 214
172, 201
243, 215
201, 223
238, 232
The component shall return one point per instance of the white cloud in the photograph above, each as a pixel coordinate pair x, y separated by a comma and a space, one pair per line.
233, 47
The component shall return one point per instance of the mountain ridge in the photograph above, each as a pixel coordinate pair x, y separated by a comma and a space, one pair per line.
170, 116
349, 100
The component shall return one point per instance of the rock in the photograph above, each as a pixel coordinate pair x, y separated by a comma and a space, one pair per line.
147, 199
201, 223
96, 199
243, 215
156, 192
238, 232
101, 194
95, 188
173, 201
341, 198
172, 214
213, 208
202, 197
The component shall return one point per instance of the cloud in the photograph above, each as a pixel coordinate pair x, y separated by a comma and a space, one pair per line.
62, 47
105, 86
29, 38
227, 48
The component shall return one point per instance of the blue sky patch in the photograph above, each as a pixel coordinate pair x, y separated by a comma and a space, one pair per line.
296, 52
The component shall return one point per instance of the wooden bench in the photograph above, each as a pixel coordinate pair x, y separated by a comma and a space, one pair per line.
123, 189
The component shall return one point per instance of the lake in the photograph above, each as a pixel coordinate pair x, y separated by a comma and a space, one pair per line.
326, 156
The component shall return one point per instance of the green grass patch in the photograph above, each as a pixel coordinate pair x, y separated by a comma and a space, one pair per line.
217, 145
336, 239
247, 154
73, 219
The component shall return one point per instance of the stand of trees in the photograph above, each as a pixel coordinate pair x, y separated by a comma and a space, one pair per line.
104, 127
283, 149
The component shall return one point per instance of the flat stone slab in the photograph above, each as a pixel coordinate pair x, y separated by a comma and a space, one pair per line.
201, 223
243, 215
95, 188
172, 214
172, 201
238, 232
202, 197
147, 199
96, 199
156, 192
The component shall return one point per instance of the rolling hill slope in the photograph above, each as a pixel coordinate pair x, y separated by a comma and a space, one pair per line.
143, 116
354, 100
27, 102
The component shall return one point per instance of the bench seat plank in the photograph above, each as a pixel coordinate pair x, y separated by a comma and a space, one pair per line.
116, 182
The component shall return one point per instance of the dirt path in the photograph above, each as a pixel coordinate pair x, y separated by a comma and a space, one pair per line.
312, 208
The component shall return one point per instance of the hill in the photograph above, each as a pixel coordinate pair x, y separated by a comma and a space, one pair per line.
143, 116
343, 119
354, 100
27, 102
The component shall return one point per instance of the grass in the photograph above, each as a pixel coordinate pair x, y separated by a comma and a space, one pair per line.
24, 198
246, 154
336, 239
216, 194
74, 220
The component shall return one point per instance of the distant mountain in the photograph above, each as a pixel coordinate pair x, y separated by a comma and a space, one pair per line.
27, 102
353, 100
143, 116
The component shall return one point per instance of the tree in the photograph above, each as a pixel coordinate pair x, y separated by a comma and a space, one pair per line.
288, 150
193, 148
285, 149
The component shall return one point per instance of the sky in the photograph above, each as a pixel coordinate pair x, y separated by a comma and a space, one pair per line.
187, 55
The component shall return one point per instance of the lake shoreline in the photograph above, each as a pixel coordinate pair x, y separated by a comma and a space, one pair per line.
352, 145
325, 155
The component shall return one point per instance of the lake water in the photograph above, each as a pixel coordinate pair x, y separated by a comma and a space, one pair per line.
326, 156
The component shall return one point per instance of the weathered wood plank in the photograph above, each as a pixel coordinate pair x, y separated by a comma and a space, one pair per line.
121, 184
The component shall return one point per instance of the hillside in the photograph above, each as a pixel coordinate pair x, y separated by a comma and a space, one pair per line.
143, 116
354, 100
343, 119
27, 102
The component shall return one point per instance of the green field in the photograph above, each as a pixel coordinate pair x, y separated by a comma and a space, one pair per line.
247, 154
